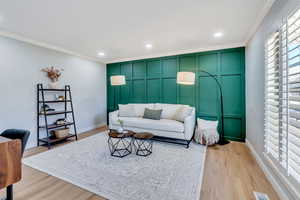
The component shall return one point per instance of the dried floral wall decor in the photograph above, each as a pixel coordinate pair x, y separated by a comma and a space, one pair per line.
53, 73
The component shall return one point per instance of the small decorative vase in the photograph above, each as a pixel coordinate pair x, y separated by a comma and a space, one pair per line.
120, 130
54, 85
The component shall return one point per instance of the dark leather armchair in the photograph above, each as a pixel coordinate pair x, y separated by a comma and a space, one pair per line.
13, 134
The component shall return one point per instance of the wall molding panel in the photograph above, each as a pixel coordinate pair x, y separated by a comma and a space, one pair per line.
154, 81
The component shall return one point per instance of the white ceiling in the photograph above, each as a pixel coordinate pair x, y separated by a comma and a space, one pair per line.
121, 28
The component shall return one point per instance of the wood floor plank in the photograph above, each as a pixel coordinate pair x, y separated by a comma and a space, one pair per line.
95, 197
231, 173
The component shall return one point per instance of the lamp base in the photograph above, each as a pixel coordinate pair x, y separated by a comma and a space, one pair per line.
223, 142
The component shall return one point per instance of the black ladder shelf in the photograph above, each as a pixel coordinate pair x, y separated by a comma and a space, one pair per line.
49, 140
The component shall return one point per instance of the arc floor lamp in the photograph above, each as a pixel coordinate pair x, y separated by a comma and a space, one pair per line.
188, 78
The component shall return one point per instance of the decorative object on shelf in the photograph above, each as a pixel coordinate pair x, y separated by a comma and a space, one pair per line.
143, 143
60, 98
61, 133
60, 122
46, 108
206, 132
53, 74
188, 78
120, 144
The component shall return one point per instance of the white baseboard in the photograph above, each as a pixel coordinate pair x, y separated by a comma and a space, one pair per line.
83, 130
269, 174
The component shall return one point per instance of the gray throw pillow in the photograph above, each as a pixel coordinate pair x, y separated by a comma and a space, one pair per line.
152, 114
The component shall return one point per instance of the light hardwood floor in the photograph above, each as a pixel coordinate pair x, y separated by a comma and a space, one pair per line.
231, 173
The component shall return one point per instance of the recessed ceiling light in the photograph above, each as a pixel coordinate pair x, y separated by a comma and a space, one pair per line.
148, 46
101, 54
218, 34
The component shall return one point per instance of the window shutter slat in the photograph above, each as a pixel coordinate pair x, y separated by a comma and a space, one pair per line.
272, 97
293, 85
282, 96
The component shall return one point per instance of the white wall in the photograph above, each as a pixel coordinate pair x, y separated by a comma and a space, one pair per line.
20, 71
255, 79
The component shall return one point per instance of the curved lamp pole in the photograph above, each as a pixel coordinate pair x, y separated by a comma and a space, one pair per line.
188, 78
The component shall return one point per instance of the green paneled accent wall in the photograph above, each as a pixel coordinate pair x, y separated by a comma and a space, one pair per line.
154, 81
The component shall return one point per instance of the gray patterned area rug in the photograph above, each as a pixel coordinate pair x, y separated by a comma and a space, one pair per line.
171, 172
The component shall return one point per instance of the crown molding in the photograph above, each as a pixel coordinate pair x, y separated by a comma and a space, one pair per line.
259, 20
252, 31
179, 52
19, 37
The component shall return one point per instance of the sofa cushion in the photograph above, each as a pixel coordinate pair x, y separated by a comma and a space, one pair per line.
126, 110
140, 108
163, 124
174, 111
152, 114
168, 110
182, 113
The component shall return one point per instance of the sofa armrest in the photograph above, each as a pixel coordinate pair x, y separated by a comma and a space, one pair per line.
189, 125
113, 117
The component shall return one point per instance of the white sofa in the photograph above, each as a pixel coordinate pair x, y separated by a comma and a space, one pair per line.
166, 127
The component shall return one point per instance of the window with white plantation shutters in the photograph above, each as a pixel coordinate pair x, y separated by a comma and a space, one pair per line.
272, 97
293, 88
282, 97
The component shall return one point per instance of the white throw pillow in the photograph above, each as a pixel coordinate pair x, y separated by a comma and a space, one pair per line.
182, 113
207, 124
140, 108
206, 132
168, 110
127, 110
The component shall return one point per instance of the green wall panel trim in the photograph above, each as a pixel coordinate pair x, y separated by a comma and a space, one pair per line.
139, 69
154, 69
154, 81
169, 67
207, 95
126, 70
209, 63
169, 90
154, 90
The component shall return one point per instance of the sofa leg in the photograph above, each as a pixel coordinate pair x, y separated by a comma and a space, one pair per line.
188, 144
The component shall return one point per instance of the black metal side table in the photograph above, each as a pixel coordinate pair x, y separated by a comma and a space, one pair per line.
143, 143
120, 144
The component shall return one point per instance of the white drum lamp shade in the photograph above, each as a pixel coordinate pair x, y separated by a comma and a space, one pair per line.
186, 78
117, 80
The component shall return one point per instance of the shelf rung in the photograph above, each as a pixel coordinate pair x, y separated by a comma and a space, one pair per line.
52, 126
54, 90
54, 140
54, 101
56, 112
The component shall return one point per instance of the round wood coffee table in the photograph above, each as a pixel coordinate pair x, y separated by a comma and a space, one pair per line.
120, 144
143, 143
